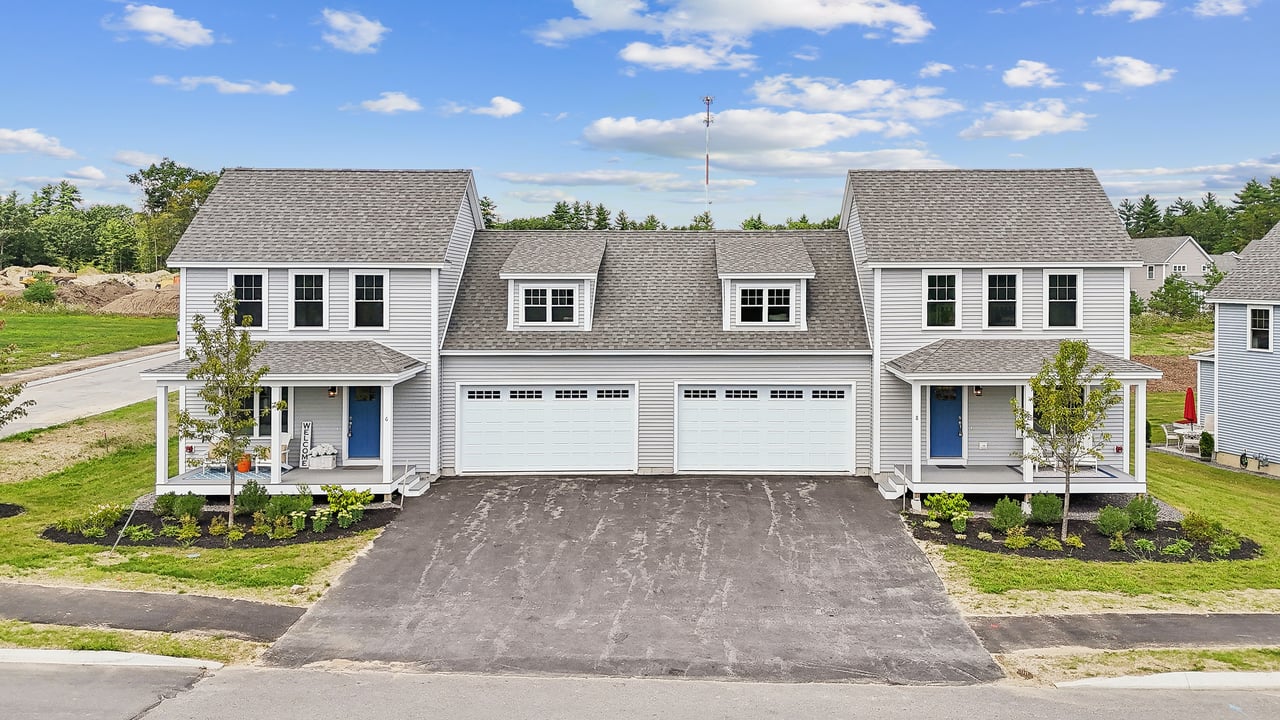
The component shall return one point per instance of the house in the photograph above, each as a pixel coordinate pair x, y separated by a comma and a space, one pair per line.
1240, 378
422, 345
1164, 257
1227, 261
966, 301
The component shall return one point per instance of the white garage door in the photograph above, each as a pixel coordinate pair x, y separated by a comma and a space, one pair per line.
547, 428
765, 428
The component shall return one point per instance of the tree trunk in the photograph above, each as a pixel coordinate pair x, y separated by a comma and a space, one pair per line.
231, 493
1066, 499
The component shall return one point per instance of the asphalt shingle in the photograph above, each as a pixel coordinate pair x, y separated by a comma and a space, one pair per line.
1257, 274
762, 253
989, 356
550, 252
1158, 250
319, 358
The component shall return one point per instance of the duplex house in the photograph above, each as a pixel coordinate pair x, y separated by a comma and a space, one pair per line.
1241, 374
420, 344
1164, 257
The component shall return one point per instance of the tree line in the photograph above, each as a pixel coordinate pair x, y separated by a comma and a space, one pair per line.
1218, 227
580, 215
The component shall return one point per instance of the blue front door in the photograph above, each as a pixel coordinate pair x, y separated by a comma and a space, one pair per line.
364, 431
946, 422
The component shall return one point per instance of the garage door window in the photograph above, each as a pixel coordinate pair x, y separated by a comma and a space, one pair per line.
741, 394
700, 394
571, 394
828, 394
611, 394
786, 394
526, 394
484, 394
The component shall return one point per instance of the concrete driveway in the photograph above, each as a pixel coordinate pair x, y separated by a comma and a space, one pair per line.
797, 579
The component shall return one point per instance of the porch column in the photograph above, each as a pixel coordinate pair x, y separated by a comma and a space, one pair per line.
1139, 436
1125, 438
916, 429
276, 470
1028, 465
388, 405
162, 435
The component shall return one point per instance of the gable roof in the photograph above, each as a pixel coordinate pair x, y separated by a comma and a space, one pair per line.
1257, 275
555, 253
1158, 250
658, 291
1226, 262
994, 217
990, 356
270, 216
317, 358
762, 253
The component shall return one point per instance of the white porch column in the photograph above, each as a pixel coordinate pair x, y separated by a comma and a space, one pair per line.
162, 435
916, 429
1028, 465
275, 435
388, 405
1125, 438
1139, 436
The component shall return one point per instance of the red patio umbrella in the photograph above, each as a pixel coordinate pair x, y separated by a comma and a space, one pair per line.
1189, 407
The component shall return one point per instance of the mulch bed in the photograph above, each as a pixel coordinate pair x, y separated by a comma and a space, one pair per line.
9, 510
1179, 372
1096, 547
373, 518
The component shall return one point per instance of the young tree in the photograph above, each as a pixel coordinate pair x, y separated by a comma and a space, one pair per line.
1210, 281
10, 408
166, 185
1176, 298
222, 359
489, 212
1065, 415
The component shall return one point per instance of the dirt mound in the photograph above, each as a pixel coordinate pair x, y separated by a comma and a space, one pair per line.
92, 296
1179, 372
145, 302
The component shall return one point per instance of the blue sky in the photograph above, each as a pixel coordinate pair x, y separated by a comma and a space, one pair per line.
601, 99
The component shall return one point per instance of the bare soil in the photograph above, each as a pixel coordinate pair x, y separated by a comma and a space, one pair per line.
1179, 372
93, 297
9, 510
164, 301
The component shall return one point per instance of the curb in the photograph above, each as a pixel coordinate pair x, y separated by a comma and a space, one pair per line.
96, 368
31, 656
1183, 681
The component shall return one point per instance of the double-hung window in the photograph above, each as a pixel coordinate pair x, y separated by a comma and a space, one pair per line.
1151, 272
941, 300
764, 305
368, 300
549, 305
307, 308
1179, 269
1002, 306
1062, 299
258, 407
1260, 328
250, 289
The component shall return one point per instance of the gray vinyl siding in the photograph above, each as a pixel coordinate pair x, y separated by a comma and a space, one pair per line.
1139, 283
1190, 254
1204, 387
455, 255
313, 404
1248, 383
657, 376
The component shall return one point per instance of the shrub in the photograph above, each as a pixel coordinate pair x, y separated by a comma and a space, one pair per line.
959, 523
1137, 305
234, 535
1202, 529
321, 519
1206, 445
931, 524
93, 524
41, 292
961, 536
1117, 543
218, 526
1007, 515
1046, 509
1142, 513
188, 505
1148, 432
260, 525
251, 498
1018, 539
164, 505
298, 518
986, 536
188, 531
1074, 541
1113, 521
1145, 545
138, 533
282, 528
945, 506
1049, 542
283, 506
1177, 548
347, 505
1224, 545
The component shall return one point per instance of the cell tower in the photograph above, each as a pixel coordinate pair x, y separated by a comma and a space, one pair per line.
706, 179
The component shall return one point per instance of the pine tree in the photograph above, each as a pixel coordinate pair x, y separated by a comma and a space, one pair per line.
602, 219
1147, 219
489, 212
622, 222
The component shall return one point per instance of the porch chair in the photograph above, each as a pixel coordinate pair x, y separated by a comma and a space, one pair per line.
1190, 440
1171, 436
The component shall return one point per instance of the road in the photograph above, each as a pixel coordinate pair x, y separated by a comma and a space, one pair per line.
70, 397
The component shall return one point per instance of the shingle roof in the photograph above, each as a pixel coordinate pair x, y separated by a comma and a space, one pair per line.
1158, 250
555, 252
1257, 275
981, 356
762, 253
658, 290
318, 358
986, 216
341, 216
1225, 262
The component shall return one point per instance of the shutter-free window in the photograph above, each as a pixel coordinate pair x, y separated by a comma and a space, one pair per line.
248, 289
1002, 300
308, 300
1259, 328
1064, 300
940, 302
370, 301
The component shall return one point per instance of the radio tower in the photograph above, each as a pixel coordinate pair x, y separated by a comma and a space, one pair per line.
706, 180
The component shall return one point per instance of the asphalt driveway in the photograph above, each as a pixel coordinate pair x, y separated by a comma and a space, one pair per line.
797, 579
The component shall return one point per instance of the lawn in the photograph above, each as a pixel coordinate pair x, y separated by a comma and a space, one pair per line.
1153, 334
47, 338
184, 645
1162, 407
1057, 665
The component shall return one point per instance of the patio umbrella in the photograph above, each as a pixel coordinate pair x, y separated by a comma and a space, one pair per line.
1189, 407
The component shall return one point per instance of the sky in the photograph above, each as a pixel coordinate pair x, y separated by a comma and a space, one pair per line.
602, 100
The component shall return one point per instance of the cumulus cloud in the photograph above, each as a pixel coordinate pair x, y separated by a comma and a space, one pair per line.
224, 86
162, 26
88, 172
874, 98
499, 107
136, 158
818, 163
1132, 72
352, 32
1031, 73
1137, 9
691, 58
388, 103
1222, 8
1043, 117
935, 69
1091, 86
30, 140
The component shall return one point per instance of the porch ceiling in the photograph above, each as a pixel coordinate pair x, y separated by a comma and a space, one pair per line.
323, 361
991, 360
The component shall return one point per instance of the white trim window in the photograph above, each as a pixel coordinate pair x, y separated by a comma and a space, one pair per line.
1151, 272
1259, 328
309, 299
1062, 292
249, 287
258, 407
369, 299
1179, 269
766, 305
1003, 305
548, 305
941, 299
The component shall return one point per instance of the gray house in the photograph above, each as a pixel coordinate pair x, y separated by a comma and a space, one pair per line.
1241, 376
1164, 257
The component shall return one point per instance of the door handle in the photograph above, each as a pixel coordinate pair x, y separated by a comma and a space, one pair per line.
350, 424
960, 425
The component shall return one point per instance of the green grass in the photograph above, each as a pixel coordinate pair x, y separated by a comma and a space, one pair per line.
73, 336
143, 413
1153, 334
1246, 503
1162, 407
222, 649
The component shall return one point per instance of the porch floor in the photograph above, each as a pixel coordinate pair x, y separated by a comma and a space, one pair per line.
995, 479
204, 481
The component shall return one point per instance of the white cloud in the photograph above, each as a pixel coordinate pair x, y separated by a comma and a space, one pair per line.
162, 26
224, 86
692, 58
1167, 183
1043, 117
874, 98
1221, 8
805, 163
499, 107
388, 103
30, 140
1137, 9
1091, 86
136, 158
1031, 73
646, 180
88, 172
352, 32
935, 69
1132, 72
808, 53
540, 196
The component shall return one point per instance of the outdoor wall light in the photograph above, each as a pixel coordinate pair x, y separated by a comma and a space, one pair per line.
977, 391
333, 391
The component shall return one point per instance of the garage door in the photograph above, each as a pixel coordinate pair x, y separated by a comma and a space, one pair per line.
549, 428
765, 428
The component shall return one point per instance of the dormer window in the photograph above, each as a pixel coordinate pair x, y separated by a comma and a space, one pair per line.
764, 305
549, 305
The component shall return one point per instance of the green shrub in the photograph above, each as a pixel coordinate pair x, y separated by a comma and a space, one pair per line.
1049, 542
234, 535
93, 524
282, 528
1018, 539
931, 524
1074, 541
138, 533
164, 505
945, 506
284, 506
347, 505
1145, 545
188, 505
298, 518
1142, 513
1113, 521
1177, 548
321, 519
251, 498
959, 523
1225, 545
41, 292
1206, 445
1202, 529
260, 525
986, 537
1117, 543
1046, 509
1148, 432
218, 526
1007, 515
188, 530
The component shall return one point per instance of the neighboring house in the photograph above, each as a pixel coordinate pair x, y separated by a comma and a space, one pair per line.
966, 304
1227, 261
1244, 366
1164, 257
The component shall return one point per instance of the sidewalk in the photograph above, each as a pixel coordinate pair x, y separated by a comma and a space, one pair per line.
1121, 631
47, 372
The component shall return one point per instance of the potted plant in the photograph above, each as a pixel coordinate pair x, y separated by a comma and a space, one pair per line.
323, 457
1206, 446
245, 462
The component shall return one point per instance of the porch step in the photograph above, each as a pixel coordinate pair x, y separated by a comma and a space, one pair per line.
419, 486
889, 490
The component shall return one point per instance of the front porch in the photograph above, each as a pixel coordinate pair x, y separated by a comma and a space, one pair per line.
1010, 480
214, 481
